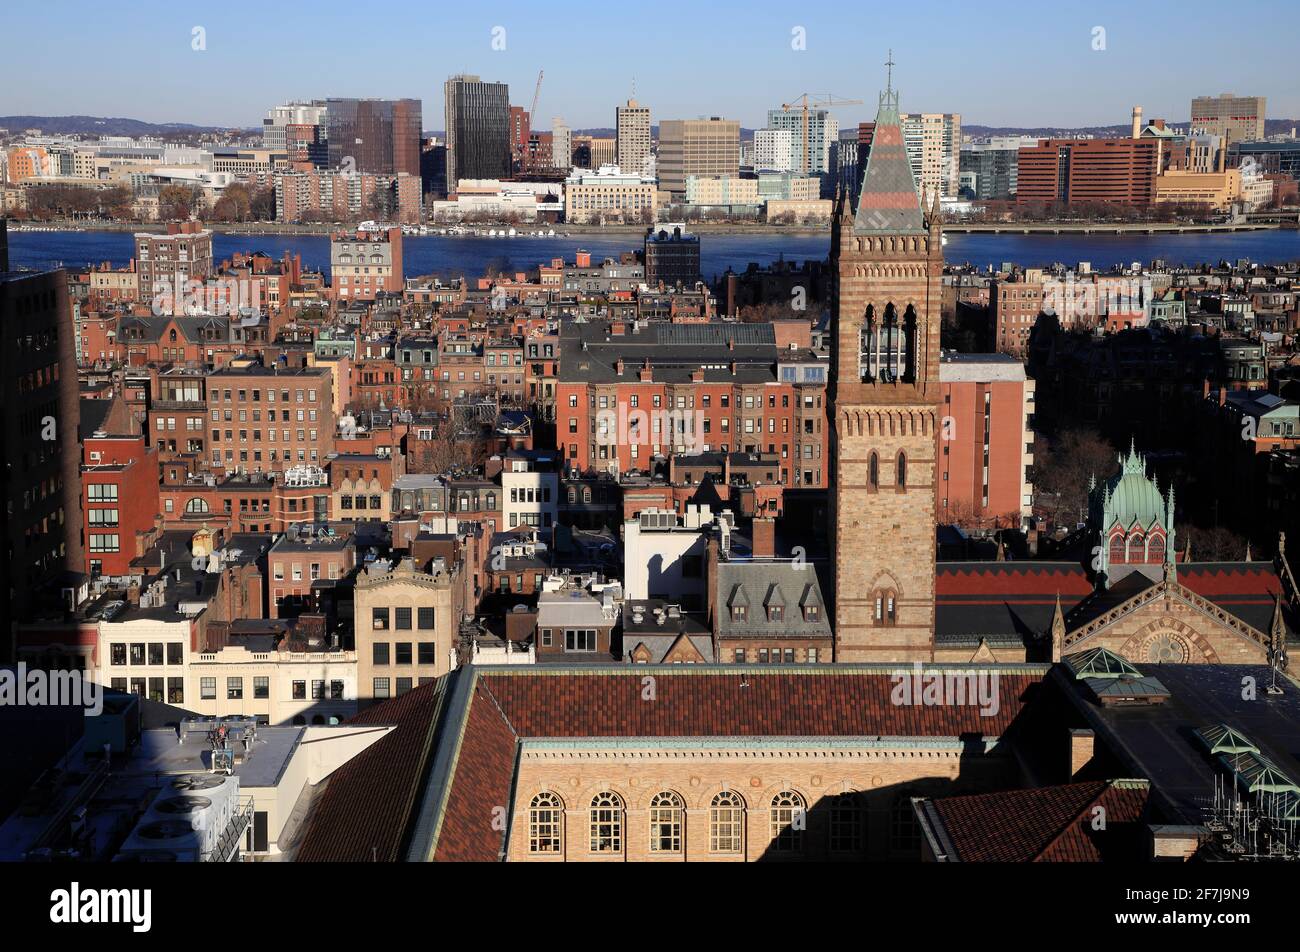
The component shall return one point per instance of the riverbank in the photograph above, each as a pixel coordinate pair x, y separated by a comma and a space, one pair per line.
699, 228
452, 255
318, 228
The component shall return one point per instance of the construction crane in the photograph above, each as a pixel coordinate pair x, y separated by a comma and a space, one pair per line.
804, 100
522, 157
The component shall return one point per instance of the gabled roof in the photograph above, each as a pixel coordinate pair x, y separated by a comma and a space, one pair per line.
490, 711
738, 597
774, 596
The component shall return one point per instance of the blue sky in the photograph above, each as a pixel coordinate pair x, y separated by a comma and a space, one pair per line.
1013, 63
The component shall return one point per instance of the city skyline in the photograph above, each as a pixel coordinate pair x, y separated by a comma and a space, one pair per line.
842, 52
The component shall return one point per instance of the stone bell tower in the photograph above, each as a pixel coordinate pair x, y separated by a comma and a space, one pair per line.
887, 262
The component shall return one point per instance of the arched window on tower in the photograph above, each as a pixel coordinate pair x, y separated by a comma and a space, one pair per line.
873, 472
1117, 556
889, 351
1156, 550
868, 365
909, 345
902, 471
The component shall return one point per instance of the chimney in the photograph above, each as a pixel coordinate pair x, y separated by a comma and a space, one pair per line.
1223, 396
646, 374
1205, 388
582, 259
764, 538
1137, 121
618, 366
1082, 747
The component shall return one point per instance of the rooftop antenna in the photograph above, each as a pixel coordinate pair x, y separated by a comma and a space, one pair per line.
889, 75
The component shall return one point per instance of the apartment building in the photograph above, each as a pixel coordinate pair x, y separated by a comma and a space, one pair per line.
365, 263
986, 441
933, 143
406, 621
183, 254
627, 394
269, 419
632, 128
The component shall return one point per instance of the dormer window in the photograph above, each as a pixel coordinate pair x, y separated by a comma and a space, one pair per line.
737, 612
810, 613
775, 612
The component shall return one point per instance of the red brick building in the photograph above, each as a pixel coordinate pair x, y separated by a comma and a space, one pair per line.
625, 395
119, 487
1074, 171
985, 440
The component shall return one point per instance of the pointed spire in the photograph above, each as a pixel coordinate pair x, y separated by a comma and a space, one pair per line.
889, 202
1248, 558
1058, 629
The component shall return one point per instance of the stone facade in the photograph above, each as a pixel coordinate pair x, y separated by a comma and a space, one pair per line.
877, 823
888, 266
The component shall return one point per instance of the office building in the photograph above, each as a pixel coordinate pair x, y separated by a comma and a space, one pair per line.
380, 136
478, 129
703, 147
1075, 171
1234, 118
774, 150
632, 127
40, 518
299, 130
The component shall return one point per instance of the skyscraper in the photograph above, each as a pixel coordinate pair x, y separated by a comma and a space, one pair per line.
478, 129
823, 131
380, 136
298, 129
1234, 118
632, 122
703, 147
933, 141
561, 143
887, 264
40, 516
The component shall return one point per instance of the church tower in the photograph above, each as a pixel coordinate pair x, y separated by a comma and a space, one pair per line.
887, 262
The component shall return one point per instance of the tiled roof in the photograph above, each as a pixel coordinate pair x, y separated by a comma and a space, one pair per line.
362, 814
490, 709
1044, 825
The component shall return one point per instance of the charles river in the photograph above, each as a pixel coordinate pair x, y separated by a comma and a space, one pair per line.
449, 256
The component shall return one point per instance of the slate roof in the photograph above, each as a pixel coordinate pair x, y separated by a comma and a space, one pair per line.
1160, 742
888, 202
1043, 825
674, 352
760, 584
1005, 603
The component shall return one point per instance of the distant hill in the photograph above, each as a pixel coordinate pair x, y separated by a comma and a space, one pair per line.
1272, 127
102, 126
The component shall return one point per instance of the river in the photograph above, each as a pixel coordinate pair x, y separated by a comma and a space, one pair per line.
451, 255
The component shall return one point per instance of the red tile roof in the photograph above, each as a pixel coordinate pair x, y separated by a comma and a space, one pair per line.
1044, 825
706, 702
362, 814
